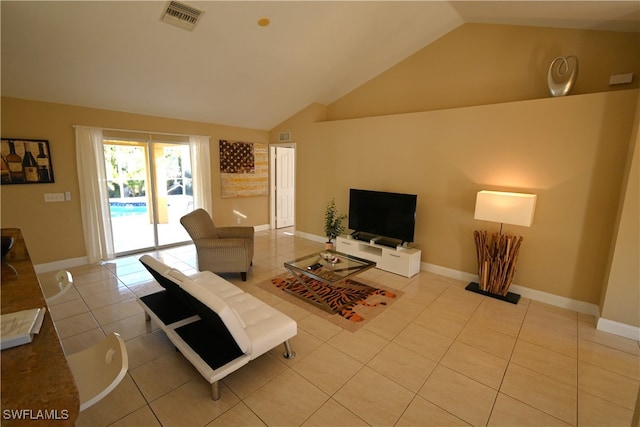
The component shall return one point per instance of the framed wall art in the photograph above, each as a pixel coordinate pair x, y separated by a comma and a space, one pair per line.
25, 161
244, 169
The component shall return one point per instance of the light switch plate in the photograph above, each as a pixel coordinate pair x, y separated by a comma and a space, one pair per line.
54, 197
620, 79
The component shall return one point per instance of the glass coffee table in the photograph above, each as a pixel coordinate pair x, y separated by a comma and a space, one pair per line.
329, 267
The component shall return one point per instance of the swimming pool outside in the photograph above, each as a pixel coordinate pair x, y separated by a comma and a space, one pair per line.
133, 228
138, 205
125, 209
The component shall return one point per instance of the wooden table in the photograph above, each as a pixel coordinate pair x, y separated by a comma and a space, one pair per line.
36, 383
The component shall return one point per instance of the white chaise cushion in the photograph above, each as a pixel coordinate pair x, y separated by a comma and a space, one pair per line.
228, 316
158, 266
176, 275
265, 326
216, 284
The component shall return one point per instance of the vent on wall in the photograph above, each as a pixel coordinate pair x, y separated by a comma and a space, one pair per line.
284, 136
181, 15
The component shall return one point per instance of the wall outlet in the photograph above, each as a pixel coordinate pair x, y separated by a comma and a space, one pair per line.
54, 197
238, 220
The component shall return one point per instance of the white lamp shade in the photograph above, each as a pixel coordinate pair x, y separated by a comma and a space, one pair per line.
504, 207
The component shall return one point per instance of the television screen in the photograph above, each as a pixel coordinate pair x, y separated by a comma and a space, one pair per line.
383, 214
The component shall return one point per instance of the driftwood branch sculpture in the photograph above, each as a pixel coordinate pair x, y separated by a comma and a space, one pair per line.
497, 259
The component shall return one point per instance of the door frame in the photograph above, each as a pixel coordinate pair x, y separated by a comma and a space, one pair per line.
149, 146
273, 183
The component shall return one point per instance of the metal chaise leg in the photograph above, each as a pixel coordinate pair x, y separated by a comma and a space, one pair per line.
215, 390
288, 353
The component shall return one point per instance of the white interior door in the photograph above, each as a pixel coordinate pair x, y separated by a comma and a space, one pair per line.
285, 187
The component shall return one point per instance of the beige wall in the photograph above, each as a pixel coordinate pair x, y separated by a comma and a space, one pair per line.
471, 112
53, 231
621, 294
570, 151
479, 64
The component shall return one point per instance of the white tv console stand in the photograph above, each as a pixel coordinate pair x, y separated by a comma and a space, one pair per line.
399, 260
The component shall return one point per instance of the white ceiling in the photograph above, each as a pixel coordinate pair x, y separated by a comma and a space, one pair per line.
118, 55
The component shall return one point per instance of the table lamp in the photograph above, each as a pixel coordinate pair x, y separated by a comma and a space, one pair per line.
498, 253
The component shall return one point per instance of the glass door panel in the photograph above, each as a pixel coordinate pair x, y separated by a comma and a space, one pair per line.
128, 177
173, 191
150, 189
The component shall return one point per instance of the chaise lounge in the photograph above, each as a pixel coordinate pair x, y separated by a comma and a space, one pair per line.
217, 326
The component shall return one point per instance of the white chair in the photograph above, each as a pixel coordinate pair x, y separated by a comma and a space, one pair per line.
99, 369
53, 291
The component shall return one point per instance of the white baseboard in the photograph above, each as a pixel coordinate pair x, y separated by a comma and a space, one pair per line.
263, 227
448, 272
605, 325
310, 236
618, 328
557, 300
60, 265
545, 297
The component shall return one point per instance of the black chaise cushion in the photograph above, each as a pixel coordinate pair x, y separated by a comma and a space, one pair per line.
214, 344
167, 308
173, 288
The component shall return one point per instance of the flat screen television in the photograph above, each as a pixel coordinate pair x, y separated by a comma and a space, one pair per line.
383, 214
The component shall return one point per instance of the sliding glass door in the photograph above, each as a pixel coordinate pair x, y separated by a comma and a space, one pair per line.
173, 191
150, 189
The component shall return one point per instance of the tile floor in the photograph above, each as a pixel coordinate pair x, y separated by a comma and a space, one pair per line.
438, 356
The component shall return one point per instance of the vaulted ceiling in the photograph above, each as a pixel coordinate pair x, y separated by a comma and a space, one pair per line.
119, 55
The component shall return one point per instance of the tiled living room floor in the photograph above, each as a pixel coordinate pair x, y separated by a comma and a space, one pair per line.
438, 356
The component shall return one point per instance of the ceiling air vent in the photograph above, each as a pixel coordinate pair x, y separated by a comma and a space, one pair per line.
181, 15
284, 136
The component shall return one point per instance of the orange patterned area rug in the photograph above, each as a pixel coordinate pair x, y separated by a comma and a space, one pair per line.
361, 302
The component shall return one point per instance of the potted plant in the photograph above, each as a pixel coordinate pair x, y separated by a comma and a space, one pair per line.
333, 226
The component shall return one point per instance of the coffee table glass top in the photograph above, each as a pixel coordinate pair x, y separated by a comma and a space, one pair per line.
329, 266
